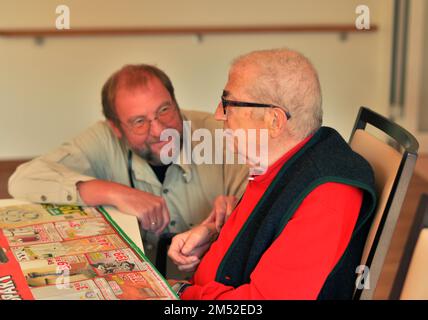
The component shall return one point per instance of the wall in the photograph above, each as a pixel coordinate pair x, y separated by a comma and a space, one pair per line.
50, 92
423, 106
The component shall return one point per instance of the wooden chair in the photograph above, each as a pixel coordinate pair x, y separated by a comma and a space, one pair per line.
393, 169
411, 280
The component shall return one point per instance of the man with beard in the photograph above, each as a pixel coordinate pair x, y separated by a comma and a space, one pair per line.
117, 162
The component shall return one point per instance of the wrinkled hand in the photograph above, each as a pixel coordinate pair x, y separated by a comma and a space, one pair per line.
222, 208
187, 248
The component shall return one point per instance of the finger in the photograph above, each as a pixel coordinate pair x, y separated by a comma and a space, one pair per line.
190, 244
199, 251
153, 223
229, 208
175, 253
230, 203
222, 212
221, 203
157, 216
145, 221
180, 259
211, 217
189, 267
194, 240
220, 219
165, 218
156, 227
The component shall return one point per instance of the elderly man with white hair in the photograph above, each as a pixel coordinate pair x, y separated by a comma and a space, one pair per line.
299, 230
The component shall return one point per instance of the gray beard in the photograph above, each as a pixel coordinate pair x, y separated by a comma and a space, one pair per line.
147, 154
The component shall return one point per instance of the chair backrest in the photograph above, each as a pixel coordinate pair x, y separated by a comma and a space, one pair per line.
393, 170
411, 280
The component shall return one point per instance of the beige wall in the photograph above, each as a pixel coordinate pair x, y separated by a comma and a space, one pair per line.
49, 93
423, 106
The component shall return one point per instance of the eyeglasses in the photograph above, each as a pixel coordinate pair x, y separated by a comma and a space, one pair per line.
226, 103
141, 125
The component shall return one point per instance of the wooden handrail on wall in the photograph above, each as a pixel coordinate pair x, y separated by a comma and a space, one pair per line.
78, 32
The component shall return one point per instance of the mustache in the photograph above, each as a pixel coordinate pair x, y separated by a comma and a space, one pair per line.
153, 140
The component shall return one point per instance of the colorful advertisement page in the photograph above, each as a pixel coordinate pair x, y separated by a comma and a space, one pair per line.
57, 252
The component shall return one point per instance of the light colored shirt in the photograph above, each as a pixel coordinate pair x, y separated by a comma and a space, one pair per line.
189, 189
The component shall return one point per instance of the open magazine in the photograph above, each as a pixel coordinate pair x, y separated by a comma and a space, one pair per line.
54, 252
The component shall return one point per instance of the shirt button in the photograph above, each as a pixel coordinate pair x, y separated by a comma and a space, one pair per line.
69, 198
172, 223
43, 198
165, 191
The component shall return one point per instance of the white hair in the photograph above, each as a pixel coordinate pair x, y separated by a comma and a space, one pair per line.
287, 79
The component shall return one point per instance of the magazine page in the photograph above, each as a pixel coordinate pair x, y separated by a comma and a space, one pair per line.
54, 252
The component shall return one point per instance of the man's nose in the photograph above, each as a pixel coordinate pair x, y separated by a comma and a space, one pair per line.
156, 128
219, 113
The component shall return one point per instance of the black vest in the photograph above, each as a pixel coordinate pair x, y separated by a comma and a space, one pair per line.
326, 157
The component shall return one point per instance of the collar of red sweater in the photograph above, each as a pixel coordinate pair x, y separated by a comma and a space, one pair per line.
273, 169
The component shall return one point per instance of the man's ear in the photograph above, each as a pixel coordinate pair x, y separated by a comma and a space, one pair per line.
116, 130
276, 121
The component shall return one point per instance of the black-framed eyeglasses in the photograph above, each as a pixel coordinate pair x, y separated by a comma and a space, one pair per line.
226, 103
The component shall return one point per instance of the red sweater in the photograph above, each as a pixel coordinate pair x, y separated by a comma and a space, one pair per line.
298, 262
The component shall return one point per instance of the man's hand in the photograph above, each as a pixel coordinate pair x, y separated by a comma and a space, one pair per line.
150, 210
187, 248
222, 208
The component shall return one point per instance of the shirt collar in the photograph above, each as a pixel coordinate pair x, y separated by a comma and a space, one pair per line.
273, 169
142, 171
